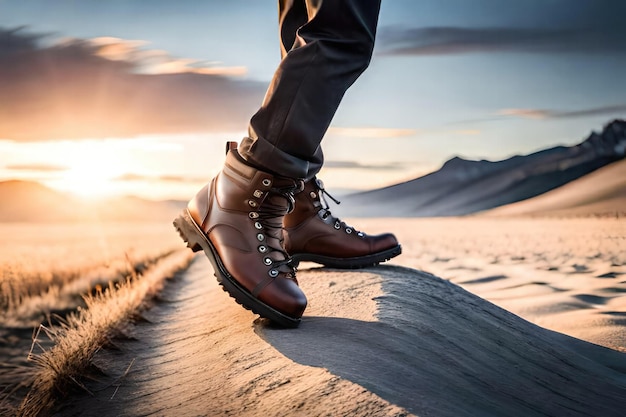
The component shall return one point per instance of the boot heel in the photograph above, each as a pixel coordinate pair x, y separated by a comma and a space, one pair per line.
187, 231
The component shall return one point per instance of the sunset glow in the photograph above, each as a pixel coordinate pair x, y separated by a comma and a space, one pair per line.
120, 100
90, 179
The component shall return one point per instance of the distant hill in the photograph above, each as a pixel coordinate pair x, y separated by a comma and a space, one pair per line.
463, 187
31, 201
26, 201
601, 193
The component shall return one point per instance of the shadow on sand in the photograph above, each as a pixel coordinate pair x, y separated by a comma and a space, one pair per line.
440, 350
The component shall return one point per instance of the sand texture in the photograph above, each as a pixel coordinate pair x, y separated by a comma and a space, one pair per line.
568, 275
383, 341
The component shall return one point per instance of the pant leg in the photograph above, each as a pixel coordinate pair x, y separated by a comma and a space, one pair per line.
328, 54
292, 14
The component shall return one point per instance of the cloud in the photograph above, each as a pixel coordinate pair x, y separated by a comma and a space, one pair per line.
613, 110
467, 132
358, 165
155, 61
160, 178
370, 132
447, 40
115, 49
133, 177
385, 133
108, 87
37, 167
526, 113
618, 109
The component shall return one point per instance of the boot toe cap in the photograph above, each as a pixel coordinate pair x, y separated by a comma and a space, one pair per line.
285, 296
383, 242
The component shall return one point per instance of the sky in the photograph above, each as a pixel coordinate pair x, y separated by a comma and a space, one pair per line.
138, 97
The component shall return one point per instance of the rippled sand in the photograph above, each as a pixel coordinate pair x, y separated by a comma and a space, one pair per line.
567, 275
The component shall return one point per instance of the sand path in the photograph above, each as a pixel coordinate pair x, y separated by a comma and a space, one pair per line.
385, 341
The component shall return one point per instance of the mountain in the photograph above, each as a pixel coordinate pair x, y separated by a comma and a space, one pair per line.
463, 187
601, 193
26, 201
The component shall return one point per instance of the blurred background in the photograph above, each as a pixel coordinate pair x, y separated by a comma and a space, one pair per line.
116, 98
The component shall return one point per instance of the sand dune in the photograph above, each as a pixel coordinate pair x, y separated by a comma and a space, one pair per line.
601, 193
384, 341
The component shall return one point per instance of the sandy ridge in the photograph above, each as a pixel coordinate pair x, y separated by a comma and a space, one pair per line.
423, 345
199, 355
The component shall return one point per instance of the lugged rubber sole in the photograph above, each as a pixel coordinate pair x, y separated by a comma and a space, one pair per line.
348, 263
196, 240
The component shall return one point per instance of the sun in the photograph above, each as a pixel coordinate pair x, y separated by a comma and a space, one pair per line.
90, 179
101, 168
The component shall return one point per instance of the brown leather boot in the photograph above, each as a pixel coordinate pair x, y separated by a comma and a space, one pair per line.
313, 234
237, 221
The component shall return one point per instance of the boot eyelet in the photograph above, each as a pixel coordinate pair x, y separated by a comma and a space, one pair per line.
313, 195
267, 261
252, 203
266, 182
337, 225
253, 215
258, 225
360, 234
260, 237
348, 230
262, 248
273, 273
258, 193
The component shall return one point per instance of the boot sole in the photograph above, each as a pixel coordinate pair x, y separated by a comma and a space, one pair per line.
196, 240
348, 263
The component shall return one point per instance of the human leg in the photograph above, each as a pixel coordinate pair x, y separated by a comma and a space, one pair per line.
328, 54
312, 233
237, 219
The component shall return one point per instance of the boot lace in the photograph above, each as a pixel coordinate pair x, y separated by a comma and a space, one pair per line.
270, 215
325, 210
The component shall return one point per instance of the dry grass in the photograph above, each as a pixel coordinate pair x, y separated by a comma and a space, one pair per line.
47, 268
29, 310
54, 274
83, 333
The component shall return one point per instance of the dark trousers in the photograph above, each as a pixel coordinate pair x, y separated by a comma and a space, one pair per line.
325, 46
